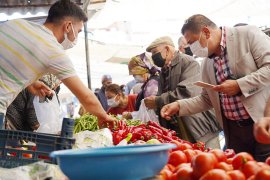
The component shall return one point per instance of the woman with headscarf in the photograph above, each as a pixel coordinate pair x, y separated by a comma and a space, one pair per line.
144, 71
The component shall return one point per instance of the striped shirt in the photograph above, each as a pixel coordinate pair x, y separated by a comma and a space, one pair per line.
232, 106
27, 51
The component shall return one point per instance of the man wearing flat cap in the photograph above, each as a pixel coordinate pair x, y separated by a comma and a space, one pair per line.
178, 73
105, 80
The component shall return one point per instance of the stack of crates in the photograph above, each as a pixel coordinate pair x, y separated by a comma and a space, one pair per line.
14, 153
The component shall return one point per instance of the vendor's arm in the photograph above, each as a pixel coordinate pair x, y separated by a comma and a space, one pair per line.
88, 99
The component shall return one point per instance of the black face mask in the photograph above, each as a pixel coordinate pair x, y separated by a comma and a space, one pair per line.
188, 51
158, 59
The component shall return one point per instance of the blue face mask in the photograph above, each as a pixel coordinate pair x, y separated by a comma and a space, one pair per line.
139, 79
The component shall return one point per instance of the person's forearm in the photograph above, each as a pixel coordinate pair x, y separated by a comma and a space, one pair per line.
86, 97
92, 105
267, 109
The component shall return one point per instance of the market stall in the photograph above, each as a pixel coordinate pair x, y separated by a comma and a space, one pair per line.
128, 149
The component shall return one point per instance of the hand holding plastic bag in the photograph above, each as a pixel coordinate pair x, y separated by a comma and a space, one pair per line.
144, 114
48, 115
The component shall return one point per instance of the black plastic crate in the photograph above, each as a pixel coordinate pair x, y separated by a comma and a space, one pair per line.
13, 153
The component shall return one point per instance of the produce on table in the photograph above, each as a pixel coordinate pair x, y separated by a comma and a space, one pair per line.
93, 139
86, 122
193, 164
145, 132
90, 122
153, 141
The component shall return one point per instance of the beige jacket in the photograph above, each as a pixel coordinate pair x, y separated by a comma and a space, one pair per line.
248, 51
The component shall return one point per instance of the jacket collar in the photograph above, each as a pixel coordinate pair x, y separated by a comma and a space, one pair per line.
175, 61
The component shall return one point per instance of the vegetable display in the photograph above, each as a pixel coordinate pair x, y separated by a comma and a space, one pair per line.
148, 131
192, 164
86, 122
90, 122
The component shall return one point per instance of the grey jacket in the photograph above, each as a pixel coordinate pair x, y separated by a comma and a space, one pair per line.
183, 72
248, 51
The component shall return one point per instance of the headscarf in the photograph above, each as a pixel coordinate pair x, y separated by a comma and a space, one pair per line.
141, 64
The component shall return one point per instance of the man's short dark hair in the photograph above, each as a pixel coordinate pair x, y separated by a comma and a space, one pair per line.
65, 8
196, 22
240, 24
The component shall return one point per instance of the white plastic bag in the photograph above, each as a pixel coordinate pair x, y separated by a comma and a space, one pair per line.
48, 115
144, 114
90, 139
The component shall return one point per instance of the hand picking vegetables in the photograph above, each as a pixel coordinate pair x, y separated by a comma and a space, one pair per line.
90, 122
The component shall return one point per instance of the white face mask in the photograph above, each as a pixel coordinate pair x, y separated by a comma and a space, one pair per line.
112, 102
198, 50
67, 44
139, 78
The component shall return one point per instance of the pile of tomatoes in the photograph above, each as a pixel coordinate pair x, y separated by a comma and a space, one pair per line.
189, 164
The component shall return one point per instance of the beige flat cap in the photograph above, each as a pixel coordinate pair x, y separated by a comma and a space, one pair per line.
161, 40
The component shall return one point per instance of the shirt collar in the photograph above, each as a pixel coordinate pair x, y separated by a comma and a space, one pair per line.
222, 44
223, 39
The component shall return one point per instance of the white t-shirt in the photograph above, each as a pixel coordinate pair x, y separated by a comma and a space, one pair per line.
27, 51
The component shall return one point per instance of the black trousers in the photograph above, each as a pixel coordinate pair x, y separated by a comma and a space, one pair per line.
239, 136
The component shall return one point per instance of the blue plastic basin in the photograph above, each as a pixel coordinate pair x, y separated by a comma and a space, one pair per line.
119, 162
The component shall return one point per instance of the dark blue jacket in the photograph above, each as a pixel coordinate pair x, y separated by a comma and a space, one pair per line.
102, 98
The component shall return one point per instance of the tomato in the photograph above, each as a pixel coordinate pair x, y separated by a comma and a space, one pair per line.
25, 155
236, 175
220, 155
267, 161
224, 166
229, 153
186, 146
263, 174
202, 163
251, 177
189, 154
263, 165
215, 174
177, 157
240, 159
250, 168
197, 151
184, 173
165, 174
182, 165
177, 143
229, 161
180, 145
169, 167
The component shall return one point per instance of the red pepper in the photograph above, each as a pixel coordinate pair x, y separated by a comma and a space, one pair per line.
167, 138
229, 153
116, 137
146, 133
154, 129
136, 130
198, 145
136, 136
